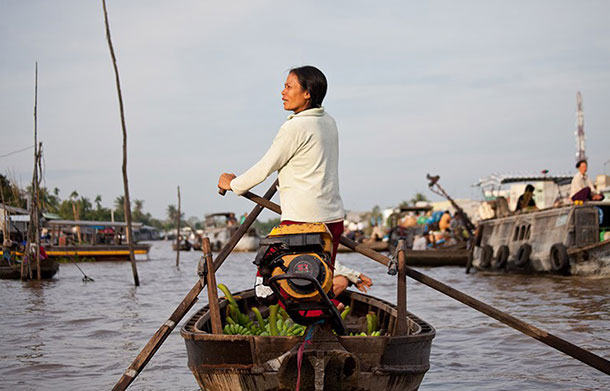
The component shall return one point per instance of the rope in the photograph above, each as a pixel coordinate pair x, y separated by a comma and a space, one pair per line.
307, 340
14, 152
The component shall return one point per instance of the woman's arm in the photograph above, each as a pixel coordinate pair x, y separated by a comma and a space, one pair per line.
283, 148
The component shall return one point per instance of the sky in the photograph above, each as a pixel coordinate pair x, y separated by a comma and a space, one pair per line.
459, 89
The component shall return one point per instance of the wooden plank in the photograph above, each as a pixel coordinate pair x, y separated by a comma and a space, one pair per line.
401, 300
212, 288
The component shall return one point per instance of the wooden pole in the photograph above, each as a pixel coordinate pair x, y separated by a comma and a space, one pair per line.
560, 344
37, 211
127, 203
402, 328
178, 231
36, 182
5, 217
212, 287
165, 330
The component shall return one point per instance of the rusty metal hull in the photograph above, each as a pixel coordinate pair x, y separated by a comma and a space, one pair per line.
575, 229
235, 362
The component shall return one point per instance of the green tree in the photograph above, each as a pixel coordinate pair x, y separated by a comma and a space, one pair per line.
418, 197
265, 228
11, 193
119, 208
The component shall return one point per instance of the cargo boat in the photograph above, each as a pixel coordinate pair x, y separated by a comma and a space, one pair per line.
568, 240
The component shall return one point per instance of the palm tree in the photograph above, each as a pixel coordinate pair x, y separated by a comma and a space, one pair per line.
73, 197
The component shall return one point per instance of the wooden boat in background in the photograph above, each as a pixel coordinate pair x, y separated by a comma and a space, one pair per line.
378, 246
98, 252
93, 240
12, 271
449, 256
330, 362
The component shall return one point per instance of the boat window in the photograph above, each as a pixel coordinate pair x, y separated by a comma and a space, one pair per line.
522, 232
527, 232
516, 233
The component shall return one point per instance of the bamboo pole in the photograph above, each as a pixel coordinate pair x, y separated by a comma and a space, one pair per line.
165, 330
36, 182
545, 337
37, 212
127, 203
5, 217
178, 232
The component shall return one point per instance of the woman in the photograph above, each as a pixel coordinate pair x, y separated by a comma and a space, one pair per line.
305, 153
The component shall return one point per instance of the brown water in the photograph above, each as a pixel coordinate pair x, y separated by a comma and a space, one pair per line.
68, 335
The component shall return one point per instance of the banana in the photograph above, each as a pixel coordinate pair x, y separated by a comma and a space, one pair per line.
345, 312
227, 293
259, 317
273, 320
369, 324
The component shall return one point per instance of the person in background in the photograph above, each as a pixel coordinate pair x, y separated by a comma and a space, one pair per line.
581, 188
419, 242
526, 200
444, 222
243, 218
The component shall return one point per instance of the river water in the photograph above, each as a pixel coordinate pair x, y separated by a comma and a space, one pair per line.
66, 334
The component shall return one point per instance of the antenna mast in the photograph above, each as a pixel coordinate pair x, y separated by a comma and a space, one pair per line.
580, 133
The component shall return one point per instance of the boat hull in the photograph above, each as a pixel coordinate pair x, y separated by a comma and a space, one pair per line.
97, 252
240, 362
48, 269
562, 240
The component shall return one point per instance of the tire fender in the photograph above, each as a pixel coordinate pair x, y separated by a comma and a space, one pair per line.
487, 253
501, 257
559, 258
522, 257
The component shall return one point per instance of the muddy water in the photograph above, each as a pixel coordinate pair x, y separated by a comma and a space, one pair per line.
65, 334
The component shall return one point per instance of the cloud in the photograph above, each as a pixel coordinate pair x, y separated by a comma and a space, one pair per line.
461, 90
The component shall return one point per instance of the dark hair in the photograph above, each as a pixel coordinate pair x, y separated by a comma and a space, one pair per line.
578, 163
312, 80
529, 188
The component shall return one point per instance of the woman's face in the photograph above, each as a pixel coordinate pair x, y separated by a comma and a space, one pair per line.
293, 96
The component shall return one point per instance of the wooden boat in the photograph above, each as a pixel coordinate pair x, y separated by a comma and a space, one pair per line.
378, 246
450, 256
330, 362
437, 257
184, 246
99, 252
48, 269
563, 240
219, 227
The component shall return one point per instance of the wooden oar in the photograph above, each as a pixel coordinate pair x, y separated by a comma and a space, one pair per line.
165, 330
562, 345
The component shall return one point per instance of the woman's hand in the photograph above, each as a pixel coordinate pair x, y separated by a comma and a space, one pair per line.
224, 182
364, 283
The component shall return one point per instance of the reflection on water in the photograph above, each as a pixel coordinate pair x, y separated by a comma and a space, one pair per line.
70, 335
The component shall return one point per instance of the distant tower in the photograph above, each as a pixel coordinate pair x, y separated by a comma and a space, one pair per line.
580, 133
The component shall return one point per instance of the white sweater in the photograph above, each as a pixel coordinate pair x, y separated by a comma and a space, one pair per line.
579, 182
305, 153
